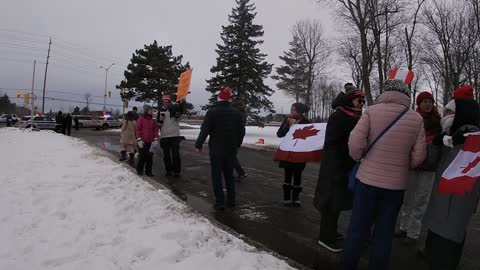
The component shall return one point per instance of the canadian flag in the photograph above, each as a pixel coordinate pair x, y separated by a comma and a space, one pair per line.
464, 170
404, 75
303, 143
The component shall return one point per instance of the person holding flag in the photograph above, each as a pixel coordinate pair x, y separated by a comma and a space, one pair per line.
291, 193
456, 190
169, 123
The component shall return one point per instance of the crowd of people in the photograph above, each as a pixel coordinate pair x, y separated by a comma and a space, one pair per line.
403, 154
65, 122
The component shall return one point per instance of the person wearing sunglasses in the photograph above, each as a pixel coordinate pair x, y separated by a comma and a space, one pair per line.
332, 195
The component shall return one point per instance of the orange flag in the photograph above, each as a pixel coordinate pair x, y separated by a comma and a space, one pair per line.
184, 84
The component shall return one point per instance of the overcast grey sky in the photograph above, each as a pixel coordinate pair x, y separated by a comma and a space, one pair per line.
86, 34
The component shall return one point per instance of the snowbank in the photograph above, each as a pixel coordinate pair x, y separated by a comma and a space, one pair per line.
65, 206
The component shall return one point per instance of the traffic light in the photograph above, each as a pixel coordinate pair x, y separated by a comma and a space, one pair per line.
26, 98
109, 93
19, 94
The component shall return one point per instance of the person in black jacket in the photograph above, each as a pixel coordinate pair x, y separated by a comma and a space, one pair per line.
225, 126
291, 193
67, 123
332, 195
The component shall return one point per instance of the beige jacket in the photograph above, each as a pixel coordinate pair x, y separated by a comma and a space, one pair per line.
128, 132
401, 148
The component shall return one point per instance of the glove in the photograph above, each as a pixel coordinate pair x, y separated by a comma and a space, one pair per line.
154, 146
140, 143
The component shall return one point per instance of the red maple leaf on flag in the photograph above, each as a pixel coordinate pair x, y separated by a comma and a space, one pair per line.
471, 165
304, 133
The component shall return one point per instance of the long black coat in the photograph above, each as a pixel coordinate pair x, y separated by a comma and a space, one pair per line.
332, 187
226, 128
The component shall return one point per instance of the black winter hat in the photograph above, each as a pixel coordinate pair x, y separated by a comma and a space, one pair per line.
467, 112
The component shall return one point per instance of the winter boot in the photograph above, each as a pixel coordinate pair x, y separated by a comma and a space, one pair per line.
287, 194
296, 195
124, 155
131, 160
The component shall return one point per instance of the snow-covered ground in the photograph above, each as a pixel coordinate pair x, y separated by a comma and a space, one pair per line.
63, 205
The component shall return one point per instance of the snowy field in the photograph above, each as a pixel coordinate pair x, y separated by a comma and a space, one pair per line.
63, 205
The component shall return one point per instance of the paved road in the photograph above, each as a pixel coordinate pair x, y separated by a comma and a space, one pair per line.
259, 214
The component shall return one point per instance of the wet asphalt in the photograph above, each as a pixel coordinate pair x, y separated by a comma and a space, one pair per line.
260, 215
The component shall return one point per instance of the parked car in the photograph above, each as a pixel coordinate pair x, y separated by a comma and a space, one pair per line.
39, 121
105, 122
85, 120
3, 118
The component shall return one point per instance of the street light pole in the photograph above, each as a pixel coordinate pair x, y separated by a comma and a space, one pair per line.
105, 95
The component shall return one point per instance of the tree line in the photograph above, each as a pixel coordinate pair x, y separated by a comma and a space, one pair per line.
438, 39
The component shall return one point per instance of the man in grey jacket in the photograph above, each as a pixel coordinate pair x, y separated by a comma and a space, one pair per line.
169, 124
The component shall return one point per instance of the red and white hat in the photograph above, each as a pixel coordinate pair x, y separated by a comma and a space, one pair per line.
404, 75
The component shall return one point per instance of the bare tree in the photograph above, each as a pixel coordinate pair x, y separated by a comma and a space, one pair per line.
452, 27
317, 51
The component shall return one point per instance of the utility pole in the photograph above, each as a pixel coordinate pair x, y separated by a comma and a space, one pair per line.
105, 95
32, 108
45, 78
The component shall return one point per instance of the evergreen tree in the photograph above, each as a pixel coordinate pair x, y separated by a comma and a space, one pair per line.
76, 110
293, 76
153, 71
6, 106
240, 65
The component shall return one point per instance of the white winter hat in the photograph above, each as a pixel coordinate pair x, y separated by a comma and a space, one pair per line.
450, 106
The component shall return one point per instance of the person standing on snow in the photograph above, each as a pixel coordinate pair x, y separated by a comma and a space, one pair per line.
448, 215
225, 126
146, 131
135, 113
332, 194
383, 173
169, 120
127, 138
291, 194
67, 124
421, 179
240, 106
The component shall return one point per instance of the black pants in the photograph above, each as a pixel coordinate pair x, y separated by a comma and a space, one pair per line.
171, 154
145, 159
68, 131
328, 225
295, 173
238, 167
442, 253
223, 165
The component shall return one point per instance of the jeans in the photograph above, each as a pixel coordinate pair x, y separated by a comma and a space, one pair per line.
372, 206
223, 165
171, 154
416, 201
145, 158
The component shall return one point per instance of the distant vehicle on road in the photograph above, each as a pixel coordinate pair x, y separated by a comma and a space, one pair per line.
39, 121
3, 118
85, 120
105, 122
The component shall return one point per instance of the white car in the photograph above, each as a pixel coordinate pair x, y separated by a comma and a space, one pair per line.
3, 118
85, 120
39, 121
106, 122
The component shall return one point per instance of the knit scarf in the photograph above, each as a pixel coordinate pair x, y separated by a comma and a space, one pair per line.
351, 112
431, 120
